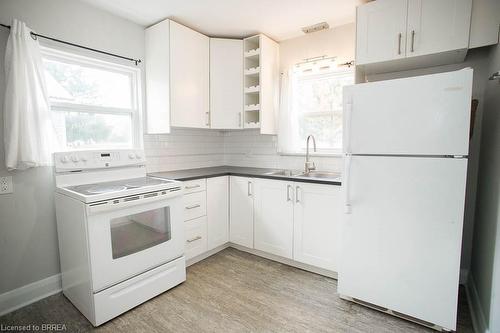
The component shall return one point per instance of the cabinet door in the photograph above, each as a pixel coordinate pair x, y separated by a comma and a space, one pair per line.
217, 211
381, 31
226, 83
317, 214
158, 78
274, 217
241, 211
437, 26
189, 77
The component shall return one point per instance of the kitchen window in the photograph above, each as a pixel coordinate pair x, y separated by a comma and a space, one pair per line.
95, 104
311, 103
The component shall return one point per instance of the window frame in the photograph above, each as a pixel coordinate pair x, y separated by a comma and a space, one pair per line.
325, 152
135, 111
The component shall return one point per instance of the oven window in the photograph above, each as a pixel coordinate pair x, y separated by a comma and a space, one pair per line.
134, 233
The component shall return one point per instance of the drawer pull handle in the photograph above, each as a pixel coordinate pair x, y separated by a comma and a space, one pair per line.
193, 206
194, 239
192, 186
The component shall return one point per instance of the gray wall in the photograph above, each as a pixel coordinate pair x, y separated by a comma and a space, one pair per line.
28, 238
485, 267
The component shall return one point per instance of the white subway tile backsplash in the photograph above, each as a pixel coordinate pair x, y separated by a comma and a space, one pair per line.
186, 148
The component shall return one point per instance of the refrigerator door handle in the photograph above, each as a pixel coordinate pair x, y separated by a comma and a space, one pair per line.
346, 180
347, 130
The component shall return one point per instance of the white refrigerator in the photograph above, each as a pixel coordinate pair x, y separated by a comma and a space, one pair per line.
406, 144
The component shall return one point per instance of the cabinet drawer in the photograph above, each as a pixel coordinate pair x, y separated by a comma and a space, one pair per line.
195, 205
196, 237
196, 185
119, 298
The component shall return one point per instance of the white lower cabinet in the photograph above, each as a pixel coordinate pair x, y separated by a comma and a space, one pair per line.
273, 217
293, 220
196, 237
241, 211
195, 217
217, 211
317, 212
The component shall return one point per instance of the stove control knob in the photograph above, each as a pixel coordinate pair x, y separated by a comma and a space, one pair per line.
64, 159
84, 159
75, 158
138, 156
131, 156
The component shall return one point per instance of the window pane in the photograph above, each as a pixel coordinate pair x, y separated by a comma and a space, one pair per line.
80, 84
317, 104
326, 128
80, 130
319, 93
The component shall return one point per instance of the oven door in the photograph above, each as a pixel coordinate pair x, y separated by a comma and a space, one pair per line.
131, 237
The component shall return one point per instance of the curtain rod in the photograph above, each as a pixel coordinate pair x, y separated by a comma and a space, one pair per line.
324, 57
35, 36
314, 59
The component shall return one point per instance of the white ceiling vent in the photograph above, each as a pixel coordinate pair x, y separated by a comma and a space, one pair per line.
315, 27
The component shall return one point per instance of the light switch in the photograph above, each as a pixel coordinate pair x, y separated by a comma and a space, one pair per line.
6, 185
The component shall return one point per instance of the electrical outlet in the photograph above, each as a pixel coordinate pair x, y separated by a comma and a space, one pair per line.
6, 185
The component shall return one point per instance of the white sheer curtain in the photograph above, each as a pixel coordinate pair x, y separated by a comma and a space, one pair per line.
29, 135
288, 123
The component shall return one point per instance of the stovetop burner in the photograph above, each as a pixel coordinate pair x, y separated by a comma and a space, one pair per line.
100, 189
117, 186
141, 182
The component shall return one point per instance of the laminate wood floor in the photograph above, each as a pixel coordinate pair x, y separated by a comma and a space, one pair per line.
234, 291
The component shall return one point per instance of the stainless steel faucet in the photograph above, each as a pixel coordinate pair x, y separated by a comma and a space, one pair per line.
309, 165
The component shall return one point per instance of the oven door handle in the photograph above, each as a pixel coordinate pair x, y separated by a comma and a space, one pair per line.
130, 201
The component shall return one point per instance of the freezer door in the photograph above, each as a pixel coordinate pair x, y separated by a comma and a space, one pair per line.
400, 244
423, 115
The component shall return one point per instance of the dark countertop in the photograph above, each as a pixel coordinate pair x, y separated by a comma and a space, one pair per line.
190, 174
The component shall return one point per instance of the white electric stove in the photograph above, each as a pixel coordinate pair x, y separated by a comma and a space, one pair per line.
121, 237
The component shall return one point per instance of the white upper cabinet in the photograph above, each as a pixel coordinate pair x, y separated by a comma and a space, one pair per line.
437, 26
484, 23
274, 217
158, 78
200, 82
394, 35
177, 77
189, 77
381, 31
226, 83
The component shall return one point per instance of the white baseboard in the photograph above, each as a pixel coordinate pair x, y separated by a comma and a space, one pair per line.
205, 255
17, 298
475, 307
286, 261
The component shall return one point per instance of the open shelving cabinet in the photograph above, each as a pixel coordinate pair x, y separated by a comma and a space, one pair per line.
251, 54
261, 83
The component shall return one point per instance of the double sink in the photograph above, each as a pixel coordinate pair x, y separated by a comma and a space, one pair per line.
320, 175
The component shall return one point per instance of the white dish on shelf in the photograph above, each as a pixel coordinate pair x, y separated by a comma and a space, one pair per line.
252, 53
252, 107
253, 70
252, 89
252, 124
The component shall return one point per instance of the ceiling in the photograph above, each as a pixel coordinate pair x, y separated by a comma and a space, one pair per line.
279, 19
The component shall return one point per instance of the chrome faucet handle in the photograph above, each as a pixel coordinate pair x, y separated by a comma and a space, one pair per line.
309, 165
